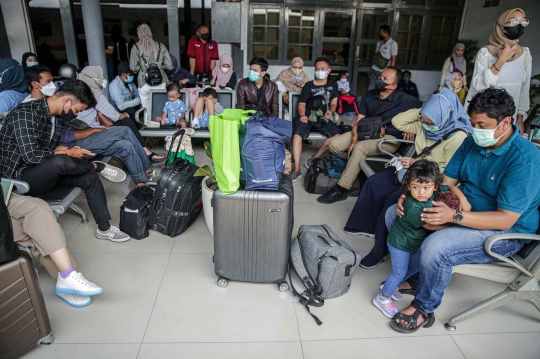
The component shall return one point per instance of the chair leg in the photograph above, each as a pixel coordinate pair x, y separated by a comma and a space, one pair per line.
80, 211
496, 301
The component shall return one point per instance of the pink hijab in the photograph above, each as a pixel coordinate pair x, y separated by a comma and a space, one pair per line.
224, 78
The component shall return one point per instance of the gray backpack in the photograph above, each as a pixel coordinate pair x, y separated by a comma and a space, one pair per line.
324, 263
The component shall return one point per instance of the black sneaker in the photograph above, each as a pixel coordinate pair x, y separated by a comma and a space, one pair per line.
332, 196
369, 262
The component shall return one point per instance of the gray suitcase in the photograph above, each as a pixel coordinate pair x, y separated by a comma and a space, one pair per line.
252, 235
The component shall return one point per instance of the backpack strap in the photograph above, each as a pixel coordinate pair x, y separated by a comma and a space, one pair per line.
311, 300
427, 150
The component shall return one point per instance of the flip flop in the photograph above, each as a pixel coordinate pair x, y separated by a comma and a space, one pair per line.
155, 160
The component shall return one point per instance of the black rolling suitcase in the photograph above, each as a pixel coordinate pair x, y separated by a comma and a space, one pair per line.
252, 235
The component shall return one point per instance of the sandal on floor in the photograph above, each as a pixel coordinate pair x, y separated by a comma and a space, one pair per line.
152, 158
412, 320
411, 291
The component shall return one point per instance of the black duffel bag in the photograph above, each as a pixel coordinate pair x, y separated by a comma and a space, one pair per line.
370, 128
134, 212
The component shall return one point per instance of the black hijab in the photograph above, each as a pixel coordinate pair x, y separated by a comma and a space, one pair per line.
25, 57
12, 76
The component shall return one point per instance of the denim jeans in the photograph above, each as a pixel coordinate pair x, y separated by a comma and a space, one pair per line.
119, 142
404, 264
447, 248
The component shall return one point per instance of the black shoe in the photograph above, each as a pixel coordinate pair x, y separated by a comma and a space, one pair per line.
354, 232
332, 196
369, 262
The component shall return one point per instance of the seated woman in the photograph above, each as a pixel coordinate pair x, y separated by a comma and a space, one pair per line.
454, 82
29, 59
13, 86
35, 227
93, 77
293, 78
439, 127
180, 75
223, 76
207, 105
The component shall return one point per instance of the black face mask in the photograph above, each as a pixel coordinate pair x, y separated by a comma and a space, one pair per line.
381, 37
205, 36
67, 116
514, 32
380, 85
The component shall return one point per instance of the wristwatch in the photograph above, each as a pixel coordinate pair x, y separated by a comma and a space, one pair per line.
458, 217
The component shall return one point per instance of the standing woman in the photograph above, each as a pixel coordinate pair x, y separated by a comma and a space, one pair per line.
454, 62
503, 63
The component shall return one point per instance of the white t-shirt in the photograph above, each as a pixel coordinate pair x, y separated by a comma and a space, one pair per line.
388, 49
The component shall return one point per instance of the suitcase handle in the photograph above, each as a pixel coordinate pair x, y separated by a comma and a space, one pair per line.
157, 201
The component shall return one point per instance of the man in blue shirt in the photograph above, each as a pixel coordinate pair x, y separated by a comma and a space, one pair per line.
498, 170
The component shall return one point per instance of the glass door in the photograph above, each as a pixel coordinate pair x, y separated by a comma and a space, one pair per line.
369, 22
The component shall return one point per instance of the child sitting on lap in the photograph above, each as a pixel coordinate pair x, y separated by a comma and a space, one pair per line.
174, 110
423, 185
205, 106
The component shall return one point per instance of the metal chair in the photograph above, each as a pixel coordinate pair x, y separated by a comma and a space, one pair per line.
374, 164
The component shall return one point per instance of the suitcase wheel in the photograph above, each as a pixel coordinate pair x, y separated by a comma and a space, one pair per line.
283, 286
222, 282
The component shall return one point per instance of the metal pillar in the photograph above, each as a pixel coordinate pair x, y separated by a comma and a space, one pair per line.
187, 23
93, 29
174, 33
70, 39
18, 27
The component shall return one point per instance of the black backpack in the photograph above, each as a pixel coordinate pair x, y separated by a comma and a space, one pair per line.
134, 212
153, 75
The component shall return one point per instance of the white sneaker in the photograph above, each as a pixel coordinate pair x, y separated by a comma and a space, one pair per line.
385, 305
195, 123
113, 234
74, 300
189, 131
113, 174
153, 177
75, 283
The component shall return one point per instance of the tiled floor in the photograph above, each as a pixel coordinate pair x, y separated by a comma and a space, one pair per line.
161, 301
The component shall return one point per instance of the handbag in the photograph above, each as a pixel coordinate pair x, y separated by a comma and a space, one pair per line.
379, 60
104, 120
371, 128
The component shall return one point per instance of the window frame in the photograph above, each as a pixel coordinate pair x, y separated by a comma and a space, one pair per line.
280, 37
315, 45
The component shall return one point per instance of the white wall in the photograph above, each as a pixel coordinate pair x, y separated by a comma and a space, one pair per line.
479, 23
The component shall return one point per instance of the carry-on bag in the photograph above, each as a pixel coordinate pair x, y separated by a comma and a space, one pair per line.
134, 212
370, 128
177, 199
317, 179
179, 148
324, 263
252, 235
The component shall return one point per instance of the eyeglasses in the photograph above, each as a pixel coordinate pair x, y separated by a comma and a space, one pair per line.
516, 22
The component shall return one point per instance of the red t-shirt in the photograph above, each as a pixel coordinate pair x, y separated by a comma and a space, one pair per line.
203, 54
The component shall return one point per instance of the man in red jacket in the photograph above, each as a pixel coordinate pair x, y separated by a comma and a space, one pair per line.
203, 53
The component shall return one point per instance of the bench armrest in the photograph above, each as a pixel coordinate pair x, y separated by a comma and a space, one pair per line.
499, 237
384, 140
140, 115
21, 187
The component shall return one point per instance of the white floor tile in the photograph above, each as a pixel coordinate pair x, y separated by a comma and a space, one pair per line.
192, 308
197, 239
84, 351
499, 346
121, 313
289, 350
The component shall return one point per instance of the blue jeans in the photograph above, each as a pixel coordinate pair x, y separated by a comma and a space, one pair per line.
447, 248
119, 142
404, 265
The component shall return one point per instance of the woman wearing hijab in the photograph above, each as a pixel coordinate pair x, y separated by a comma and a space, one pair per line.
146, 52
93, 77
454, 62
29, 59
503, 63
442, 121
223, 75
293, 78
180, 75
454, 82
13, 86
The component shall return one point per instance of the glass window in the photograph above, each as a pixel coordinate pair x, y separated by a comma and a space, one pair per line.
337, 25
337, 53
300, 34
266, 32
443, 31
408, 39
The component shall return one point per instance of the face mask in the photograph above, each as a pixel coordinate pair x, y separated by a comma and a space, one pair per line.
297, 71
380, 85
343, 80
205, 36
48, 90
30, 64
456, 84
129, 79
68, 116
381, 37
104, 84
225, 69
253, 76
429, 128
514, 32
321, 75
486, 138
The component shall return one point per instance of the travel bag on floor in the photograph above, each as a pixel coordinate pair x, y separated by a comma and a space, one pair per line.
177, 198
252, 235
317, 179
134, 212
324, 263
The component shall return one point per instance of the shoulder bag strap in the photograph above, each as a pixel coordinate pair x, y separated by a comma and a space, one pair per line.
427, 150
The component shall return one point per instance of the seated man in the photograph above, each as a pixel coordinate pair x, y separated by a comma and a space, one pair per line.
307, 118
256, 92
207, 105
35, 227
498, 171
118, 141
123, 92
407, 86
384, 101
30, 151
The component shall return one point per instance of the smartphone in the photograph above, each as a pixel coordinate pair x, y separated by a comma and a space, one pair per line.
297, 80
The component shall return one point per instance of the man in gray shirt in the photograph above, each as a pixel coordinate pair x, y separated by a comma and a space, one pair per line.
385, 55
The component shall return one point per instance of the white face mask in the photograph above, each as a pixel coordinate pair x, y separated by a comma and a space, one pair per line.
48, 90
343, 80
225, 69
321, 75
104, 84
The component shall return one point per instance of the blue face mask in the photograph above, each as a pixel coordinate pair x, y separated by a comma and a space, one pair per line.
253, 76
129, 79
430, 128
30, 64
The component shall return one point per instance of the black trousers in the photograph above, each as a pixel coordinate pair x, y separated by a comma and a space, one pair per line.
65, 170
128, 122
131, 112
